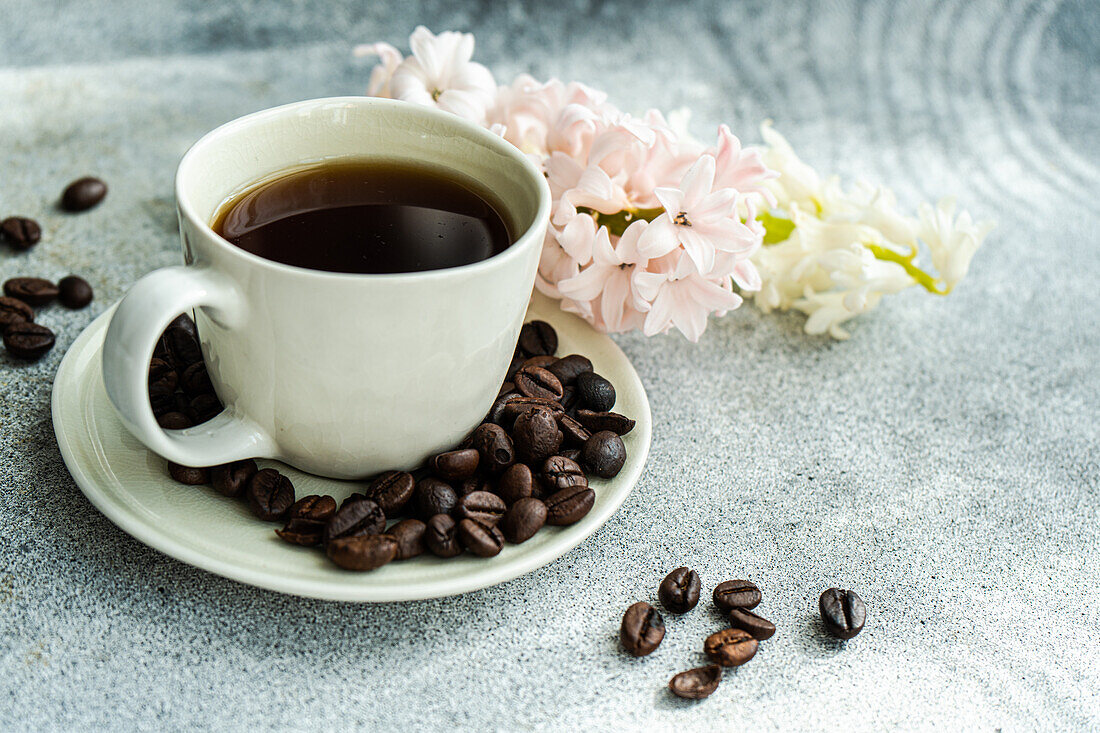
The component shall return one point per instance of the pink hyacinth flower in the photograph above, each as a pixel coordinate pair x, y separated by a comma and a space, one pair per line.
607, 282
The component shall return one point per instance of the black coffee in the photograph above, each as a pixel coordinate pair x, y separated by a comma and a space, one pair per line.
365, 217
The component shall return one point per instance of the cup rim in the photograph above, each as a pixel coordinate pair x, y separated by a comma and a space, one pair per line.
530, 236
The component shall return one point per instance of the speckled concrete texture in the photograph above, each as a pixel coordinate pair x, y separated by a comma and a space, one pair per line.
943, 463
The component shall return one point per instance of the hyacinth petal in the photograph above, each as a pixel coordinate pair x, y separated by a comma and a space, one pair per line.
475, 77
697, 182
659, 238
698, 248
587, 284
576, 238
747, 276
626, 249
672, 199
602, 251
461, 103
714, 205
659, 315
712, 296
613, 302
425, 47
648, 284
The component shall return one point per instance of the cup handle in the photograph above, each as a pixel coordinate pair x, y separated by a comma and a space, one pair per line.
152, 303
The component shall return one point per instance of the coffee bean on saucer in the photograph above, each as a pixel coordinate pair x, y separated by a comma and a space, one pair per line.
479, 539
736, 594
696, 684
521, 404
533, 381
539, 361
270, 494
34, 291
26, 340
482, 507
536, 435
568, 368
355, 519
569, 506
352, 498
679, 591
517, 482
183, 346
758, 627
598, 421
409, 536
496, 412
573, 454
231, 479
441, 536
306, 520
604, 454
569, 399
730, 647
518, 357
538, 338
20, 232
363, 552
195, 380
573, 433
843, 612
74, 292
494, 446
161, 371
162, 398
392, 491
455, 465
187, 475
505, 388
525, 517
474, 483
596, 393
174, 421
558, 472
13, 310
205, 407
82, 194
433, 496
642, 629
186, 324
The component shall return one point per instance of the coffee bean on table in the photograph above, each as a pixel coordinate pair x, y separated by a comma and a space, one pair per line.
642, 629
517, 482
26, 340
494, 446
568, 368
597, 421
20, 232
441, 536
536, 435
74, 292
409, 536
679, 591
526, 517
842, 612
455, 465
559, 472
696, 684
572, 431
604, 454
730, 647
363, 552
533, 381
569, 506
433, 496
231, 479
195, 380
479, 539
736, 594
270, 494
13, 310
192, 476
596, 393
83, 193
353, 520
205, 407
33, 291
758, 627
538, 338
392, 491
174, 421
482, 507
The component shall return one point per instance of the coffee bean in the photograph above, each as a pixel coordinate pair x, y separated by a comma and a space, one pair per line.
409, 536
538, 338
162, 397
539, 361
33, 291
560, 473
315, 508
306, 520
13, 310
517, 482
595, 392
183, 346
642, 629
192, 476
26, 340
205, 407
496, 412
505, 388
353, 520
604, 454
231, 479
572, 431
757, 627
482, 507
20, 232
568, 368
82, 194
843, 612
270, 494
736, 594
455, 465
599, 421
174, 421
392, 491
522, 404
569, 506
696, 684
472, 484
433, 496
573, 454
441, 536
569, 399
518, 357
186, 324
352, 498
494, 446
533, 381
526, 517
536, 435
479, 539
195, 380
162, 371
730, 647
679, 591
363, 552
74, 292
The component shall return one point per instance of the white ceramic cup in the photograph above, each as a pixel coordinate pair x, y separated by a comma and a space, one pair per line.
342, 375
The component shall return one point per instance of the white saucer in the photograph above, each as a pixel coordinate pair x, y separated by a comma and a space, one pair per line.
130, 485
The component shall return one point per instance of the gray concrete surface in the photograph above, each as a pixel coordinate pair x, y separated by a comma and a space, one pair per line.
943, 462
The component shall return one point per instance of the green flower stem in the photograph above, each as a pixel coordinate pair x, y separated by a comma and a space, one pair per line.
923, 279
618, 222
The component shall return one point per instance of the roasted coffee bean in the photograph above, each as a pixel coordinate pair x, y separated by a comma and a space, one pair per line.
363, 552
842, 612
695, 684
536, 435
26, 340
205, 406
441, 536
604, 454
496, 412
642, 629
455, 465
730, 647
392, 491
539, 361
482, 507
568, 368
474, 483
533, 381
599, 421
195, 380
186, 324
522, 404
13, 310
74, 292
569, 398
20, 232
736, 594
538, 338
525, 517
82, 194
31, 290
518, 357
573, 454
162, 397
558, 472
572, 431
409, 536
314, 507
352, 498
494, 446
433, 496
505, 388
302, 532
183, 346
163, 372
596, 393
270, 495
192, 476
306, 520
174, 421
516, 483
757, 627
569, 506
679, 591
353, 520
479, 539
231, 479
